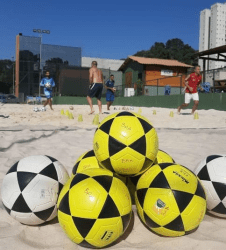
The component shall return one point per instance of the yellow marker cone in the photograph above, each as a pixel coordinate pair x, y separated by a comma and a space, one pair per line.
139, 111
154, 112
62, 112
196, 116
70, 116
80, 119
96, 120
67, 113
171, 114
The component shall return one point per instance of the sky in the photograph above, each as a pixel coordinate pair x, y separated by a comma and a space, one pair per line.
106, 29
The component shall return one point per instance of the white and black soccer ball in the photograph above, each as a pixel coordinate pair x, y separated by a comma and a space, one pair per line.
43, 109
35, 109
48, 85
31, 187
212, 173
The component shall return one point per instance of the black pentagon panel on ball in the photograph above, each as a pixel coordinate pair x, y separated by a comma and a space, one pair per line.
125, 113
141, 194
88, 154
77, 178
160, 181
115, 146
107, 164
21, 206
83, 225
200, 191
150, 223
109, 209
182, 199
74, 170
147, 164
220, 209
60, 186
135, 179
45, 214
51, 158
204, 174
64, 204
125, 221
220, 189
105, 127
212, 157
165, 165
7, 209
146, 126
176, 225
139, 145
105, 181
13, 168
50, 171
24, 178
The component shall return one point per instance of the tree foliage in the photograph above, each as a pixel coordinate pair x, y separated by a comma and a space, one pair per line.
173, 49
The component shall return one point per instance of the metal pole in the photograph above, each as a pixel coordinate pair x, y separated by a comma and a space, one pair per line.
157, 87
13, 78
180, 83
40, 65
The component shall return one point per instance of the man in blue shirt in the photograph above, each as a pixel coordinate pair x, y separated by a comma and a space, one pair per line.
48, 84
109, 85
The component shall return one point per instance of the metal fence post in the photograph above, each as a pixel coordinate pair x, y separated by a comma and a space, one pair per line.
180, 83
157, 87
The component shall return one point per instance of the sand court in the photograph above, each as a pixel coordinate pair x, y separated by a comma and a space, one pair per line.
187, 140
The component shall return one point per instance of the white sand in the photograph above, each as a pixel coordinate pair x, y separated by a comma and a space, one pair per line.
27, 133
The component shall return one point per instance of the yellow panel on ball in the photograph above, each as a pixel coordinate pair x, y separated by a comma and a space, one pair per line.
85, 161
163, 157
126, 141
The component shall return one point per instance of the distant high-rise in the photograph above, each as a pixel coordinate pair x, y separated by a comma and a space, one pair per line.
212, 32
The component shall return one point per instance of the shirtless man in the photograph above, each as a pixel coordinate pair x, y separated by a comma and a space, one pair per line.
96, 80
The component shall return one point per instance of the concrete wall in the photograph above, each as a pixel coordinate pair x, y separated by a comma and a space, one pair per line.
103, 63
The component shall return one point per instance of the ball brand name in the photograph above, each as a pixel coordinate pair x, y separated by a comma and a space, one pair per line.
126, 160
126, 126
107, 235
179, 175
88, 193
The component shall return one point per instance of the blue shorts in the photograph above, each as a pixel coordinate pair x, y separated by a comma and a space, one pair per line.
110, 97
48, 94
95, 90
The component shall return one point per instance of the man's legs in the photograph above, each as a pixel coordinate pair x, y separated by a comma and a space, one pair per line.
109, 105
99, 105
187, 98
195, 106
46, 102
50, 103
184, 105
90, 102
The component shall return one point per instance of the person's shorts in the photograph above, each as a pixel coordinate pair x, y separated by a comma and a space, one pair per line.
110, 97
95, 90
48, 94
188, 97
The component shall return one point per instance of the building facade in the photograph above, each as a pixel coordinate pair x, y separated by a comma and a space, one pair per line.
34, 58
212, 32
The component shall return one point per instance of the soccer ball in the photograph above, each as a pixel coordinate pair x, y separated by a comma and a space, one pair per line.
212, 173
94, 208
85, 161
31, 187
35, 109
43, 109
170, 200
126, 143
48, 85
163, 157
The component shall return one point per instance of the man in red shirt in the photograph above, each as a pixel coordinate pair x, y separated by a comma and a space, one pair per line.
192, 82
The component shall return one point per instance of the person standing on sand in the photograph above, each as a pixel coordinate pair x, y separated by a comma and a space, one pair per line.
192, 82
48, 84
110, 97
96, 80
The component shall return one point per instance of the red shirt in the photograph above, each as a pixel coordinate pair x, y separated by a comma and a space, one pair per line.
193, 81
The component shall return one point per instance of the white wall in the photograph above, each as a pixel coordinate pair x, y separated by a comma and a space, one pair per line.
102, 63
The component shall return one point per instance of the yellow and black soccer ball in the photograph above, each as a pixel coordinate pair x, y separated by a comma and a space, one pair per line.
94, 208
163, 157
126, 143
170, 200
85, 161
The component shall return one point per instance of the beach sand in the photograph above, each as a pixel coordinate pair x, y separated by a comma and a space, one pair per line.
187, 140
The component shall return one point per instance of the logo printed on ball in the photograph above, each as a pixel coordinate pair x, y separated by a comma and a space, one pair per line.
160, 207
107, 235
126, 126
183, 179
89, 194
